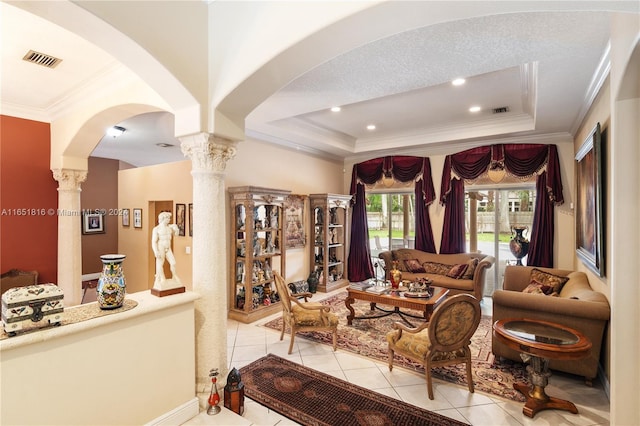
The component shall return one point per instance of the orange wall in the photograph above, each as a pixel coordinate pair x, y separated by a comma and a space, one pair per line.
100, 192
28, 241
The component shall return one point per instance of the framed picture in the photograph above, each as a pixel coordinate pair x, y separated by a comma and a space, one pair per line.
125, 217
137, 218
191, 219
92, 223
181, 211
589, 219
294, 221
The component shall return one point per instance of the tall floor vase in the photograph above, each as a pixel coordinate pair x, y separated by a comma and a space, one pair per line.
111, 285
519, 245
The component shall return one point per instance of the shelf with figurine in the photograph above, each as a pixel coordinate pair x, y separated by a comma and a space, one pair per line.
330, 227
257, 251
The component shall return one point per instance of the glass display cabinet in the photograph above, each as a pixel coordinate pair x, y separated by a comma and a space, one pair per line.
330, 234
257, 250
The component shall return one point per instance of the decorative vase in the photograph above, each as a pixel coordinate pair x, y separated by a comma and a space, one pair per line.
214, 396
395, 275
111, 285
519, 245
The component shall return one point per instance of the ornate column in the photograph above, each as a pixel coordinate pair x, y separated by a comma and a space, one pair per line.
209, 155
69, 236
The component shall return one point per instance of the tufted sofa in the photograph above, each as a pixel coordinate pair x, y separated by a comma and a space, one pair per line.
577, 306
437, 267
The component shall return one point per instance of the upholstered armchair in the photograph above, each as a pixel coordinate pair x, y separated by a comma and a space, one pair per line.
304, 316
442, 341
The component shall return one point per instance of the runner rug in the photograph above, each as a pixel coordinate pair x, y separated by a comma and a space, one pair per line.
310, 397
367, 338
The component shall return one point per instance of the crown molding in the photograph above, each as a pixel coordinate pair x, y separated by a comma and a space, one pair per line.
597, 81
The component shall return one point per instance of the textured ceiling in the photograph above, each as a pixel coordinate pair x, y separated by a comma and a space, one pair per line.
540, 65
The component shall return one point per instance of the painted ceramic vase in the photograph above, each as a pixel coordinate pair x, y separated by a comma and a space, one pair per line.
111, 285
519, 245
395, 275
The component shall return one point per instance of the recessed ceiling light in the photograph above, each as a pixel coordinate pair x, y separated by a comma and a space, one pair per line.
371, 127
335, 109
115, 131
458, 81
164, 145
474, 109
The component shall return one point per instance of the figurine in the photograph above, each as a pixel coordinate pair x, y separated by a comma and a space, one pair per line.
161, 244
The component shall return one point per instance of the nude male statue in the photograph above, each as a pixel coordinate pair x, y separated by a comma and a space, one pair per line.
161, 245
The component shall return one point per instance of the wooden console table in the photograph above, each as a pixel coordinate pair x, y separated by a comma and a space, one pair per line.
538, 342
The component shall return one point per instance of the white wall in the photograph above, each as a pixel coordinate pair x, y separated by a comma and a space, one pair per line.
127, 368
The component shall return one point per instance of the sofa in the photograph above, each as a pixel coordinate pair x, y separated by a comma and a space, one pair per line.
573, 304
460, 272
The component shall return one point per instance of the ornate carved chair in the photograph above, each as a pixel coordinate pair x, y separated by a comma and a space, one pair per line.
17, 278
301, 316
444, 340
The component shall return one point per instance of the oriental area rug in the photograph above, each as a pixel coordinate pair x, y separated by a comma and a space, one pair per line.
367, 338
310, 397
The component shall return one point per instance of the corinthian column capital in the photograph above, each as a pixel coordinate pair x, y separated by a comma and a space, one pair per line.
208, 152
68, 179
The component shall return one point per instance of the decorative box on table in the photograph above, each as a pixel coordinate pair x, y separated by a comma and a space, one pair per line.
33, 306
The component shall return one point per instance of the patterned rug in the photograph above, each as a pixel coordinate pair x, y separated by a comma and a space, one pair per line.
367, 338
310, 397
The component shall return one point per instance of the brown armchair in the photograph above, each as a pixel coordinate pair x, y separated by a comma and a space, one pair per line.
442, 341
300, 316
17, 278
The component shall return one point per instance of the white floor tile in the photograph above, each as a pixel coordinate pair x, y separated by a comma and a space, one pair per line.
248, 342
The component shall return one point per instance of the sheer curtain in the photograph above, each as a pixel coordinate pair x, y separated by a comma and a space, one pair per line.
402, 169
521, 160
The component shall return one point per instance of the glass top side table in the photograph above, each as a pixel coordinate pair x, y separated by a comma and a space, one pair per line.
538, 342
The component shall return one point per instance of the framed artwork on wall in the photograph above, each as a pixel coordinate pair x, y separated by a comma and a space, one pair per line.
137, 218
181, 211
589, 211
92, 223
125, 217
294, 232
191, 219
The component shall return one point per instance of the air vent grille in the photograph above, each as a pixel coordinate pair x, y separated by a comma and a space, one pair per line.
501, 110
41, 59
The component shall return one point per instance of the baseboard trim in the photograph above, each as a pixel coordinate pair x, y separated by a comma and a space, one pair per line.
178, 415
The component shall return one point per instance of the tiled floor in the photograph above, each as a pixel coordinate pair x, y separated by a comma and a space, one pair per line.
248, 342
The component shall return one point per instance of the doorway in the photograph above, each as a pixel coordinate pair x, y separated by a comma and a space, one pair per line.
490, 215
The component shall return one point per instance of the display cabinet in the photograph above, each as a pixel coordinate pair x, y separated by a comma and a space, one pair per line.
257, 250
330, 232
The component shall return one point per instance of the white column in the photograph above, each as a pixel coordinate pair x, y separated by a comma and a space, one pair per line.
209, 155
69, 235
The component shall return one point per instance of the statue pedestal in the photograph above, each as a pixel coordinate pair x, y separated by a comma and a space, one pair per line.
167, 288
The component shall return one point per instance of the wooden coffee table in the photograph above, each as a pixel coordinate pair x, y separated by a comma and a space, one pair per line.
397, 300
538, 342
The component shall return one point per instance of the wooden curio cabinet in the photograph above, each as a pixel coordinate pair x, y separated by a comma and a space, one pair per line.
330, 235
257, 250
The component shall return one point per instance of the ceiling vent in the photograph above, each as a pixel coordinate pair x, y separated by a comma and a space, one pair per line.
500, 110
41, 59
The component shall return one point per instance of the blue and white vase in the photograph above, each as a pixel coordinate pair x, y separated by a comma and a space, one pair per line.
111, 285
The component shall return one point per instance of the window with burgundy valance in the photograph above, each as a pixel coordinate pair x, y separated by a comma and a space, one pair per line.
402, 169
523, 161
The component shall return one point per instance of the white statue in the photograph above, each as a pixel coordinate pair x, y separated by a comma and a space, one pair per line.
161, 245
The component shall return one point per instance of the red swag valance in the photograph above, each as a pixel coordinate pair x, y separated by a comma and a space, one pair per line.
401, 168
521, 160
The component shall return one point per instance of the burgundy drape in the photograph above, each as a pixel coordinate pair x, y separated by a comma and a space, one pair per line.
541, 254
454, 220
403, 169
359, 264
522, 160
